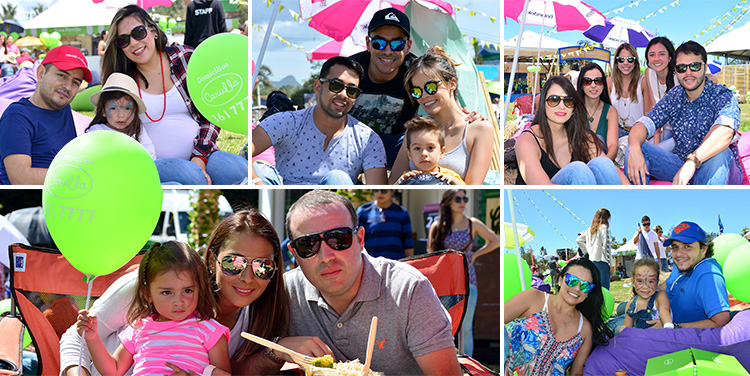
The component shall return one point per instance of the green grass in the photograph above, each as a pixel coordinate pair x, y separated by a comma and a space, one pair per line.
227, 141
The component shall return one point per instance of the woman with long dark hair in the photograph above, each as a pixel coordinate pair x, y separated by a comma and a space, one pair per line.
185, 141
659, 78
601, 117
558, 148
598, 245
554, 334
454, 230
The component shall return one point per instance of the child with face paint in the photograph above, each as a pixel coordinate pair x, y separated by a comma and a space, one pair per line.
117, 109
648, 303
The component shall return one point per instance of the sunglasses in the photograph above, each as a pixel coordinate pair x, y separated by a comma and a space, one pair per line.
430, 87
621, 59
396, 44
572, 280
646, 224
588, 81
554, 100
459, 199
263, 268
336, 86
682, 68
138, 33
382, 191
338, 238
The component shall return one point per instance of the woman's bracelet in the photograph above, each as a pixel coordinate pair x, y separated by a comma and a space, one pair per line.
268, 352
255, 181
209, 370
669, 325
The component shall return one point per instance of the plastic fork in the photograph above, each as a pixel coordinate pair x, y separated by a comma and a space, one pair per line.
303, 361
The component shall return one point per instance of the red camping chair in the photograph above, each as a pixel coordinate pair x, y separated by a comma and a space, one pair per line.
48, 293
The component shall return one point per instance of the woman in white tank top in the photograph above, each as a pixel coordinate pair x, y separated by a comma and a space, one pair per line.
627, 94
659, 79
432, 81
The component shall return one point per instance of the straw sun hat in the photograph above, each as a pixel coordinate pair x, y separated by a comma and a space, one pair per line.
123, 83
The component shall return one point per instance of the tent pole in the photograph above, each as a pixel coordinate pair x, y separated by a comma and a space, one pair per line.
263, 46
515, 237
515, 62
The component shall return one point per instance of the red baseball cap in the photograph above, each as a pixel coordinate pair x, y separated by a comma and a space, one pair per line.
68, 58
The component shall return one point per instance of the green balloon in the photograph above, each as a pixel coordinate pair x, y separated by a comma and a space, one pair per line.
82, 100
511, 277
5, 309
609, 304
724, 244
55, 35
736, 276
163, 23
44, 37
219, 87
172, 23
101, 198
561, 263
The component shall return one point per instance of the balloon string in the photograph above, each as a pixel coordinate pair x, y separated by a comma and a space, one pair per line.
88, 300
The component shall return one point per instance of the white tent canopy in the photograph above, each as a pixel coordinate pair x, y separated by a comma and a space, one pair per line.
629, 246
734, 44
72, 17
530, 44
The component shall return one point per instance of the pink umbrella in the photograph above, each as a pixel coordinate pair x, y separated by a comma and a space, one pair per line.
335, 48
561, 14
339, 19
145, 4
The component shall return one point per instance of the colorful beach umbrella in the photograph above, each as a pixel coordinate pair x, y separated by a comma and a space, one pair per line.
339, 19
145, 4
617, 31
29, 42
562, 15
525, 235
333, 48
714, 66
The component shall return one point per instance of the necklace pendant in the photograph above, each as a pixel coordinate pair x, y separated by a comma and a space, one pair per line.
591, 119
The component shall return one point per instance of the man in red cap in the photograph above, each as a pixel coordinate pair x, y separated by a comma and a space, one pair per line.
34, 129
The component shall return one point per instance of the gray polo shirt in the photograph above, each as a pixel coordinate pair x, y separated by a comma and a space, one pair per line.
411, 320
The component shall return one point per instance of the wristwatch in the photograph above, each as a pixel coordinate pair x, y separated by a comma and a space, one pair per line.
677, 325
692, 157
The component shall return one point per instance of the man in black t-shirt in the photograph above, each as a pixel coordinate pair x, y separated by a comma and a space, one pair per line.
204, 18
384, 104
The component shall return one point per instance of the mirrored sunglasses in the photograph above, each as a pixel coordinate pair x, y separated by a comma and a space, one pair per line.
621, 59
138, 33
554, 100
396, 44
338, 238
430, 87
572, 280
588, 81
263, 268
336, 86
682, 68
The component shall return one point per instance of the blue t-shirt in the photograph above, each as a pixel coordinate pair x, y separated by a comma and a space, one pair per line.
387, 231
699, 294
33, 131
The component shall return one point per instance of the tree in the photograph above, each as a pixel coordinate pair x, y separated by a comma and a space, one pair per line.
9, 11
37, 10
176, 11
264, 80
204, 217
744, 231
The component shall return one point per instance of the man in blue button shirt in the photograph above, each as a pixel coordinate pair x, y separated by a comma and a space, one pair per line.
705, 118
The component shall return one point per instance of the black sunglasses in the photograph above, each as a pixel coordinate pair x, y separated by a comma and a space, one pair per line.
338, 238
396, 44
588, 81
336, 86
459, 199
263, 268
682, 68
138, 33
430, 87
621, 59
383, 191
554, 100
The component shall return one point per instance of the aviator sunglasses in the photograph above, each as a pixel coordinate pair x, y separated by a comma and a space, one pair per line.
572, 280
396, 44
338, 238
430, 87
459, 199
682, 68
621, 59
588, 81
554, 100
336, 86
263, 268
138, 33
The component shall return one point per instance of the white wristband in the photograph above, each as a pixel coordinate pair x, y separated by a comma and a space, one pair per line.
209, 370
669, 325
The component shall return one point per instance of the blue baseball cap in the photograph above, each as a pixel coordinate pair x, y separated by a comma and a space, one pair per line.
687, 232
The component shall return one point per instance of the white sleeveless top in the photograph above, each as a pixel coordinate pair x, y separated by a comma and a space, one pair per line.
174, 135
627, 110
580, 316
657, 89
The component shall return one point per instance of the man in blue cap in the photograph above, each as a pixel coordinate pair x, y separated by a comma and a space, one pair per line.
695, 288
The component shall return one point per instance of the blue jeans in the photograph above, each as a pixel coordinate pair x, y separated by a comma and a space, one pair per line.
663, 165
269, 175
467, 327
604, 275
224, 169
392, 143
664, 265
598, 171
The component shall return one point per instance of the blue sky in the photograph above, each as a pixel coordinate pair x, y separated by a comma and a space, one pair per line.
284, 60
679, 23
665, 207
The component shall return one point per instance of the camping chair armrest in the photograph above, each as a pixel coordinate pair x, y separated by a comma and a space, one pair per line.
11, 345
